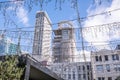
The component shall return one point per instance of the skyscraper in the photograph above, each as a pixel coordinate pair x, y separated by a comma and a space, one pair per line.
7, 46
64, 43
42, 36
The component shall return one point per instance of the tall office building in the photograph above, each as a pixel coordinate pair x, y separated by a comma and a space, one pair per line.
42, 36
64, 43
7, 46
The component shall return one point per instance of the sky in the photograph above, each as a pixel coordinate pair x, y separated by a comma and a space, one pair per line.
24, 18
108, 33
95, 36
57, 15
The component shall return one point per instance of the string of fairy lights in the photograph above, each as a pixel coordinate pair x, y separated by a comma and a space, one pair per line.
27, 36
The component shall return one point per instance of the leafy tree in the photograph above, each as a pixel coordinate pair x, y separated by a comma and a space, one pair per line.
9, 69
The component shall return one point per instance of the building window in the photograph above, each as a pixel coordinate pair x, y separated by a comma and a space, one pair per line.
99, 68
69, 76
88, 78
108, 67
73, 76
101, 78
115, 57
109, 78
98, 58
79, 67
106, 57
88, 67
117, 67
84, 76
83, 68
88, 73
79, 76
118, 47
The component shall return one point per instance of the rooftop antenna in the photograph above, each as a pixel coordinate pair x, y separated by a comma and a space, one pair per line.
41, 5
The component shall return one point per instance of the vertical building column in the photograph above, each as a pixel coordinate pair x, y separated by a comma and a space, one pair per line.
27, 71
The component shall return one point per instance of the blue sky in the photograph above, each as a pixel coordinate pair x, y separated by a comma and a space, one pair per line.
56, 15
25, 18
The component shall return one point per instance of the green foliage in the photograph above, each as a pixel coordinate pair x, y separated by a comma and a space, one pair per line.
9, 69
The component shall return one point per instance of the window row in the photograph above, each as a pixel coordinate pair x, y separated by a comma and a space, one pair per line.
100, 68
73, 76
106, 57
83, 67
103, 78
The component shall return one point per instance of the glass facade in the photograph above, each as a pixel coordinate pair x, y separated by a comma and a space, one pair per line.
7, 47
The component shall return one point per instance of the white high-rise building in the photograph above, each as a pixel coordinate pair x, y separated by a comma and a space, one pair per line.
42, 37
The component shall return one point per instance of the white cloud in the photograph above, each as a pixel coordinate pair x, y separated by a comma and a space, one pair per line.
99, 34
21, 12
22, 15
80, 56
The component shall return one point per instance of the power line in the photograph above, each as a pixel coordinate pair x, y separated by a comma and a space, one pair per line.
8, 31
109, 11
96, 26
11, 1
11, 37
85, 46
73, 19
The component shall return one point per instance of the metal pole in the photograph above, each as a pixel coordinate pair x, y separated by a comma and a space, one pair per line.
19, 39
80, 26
